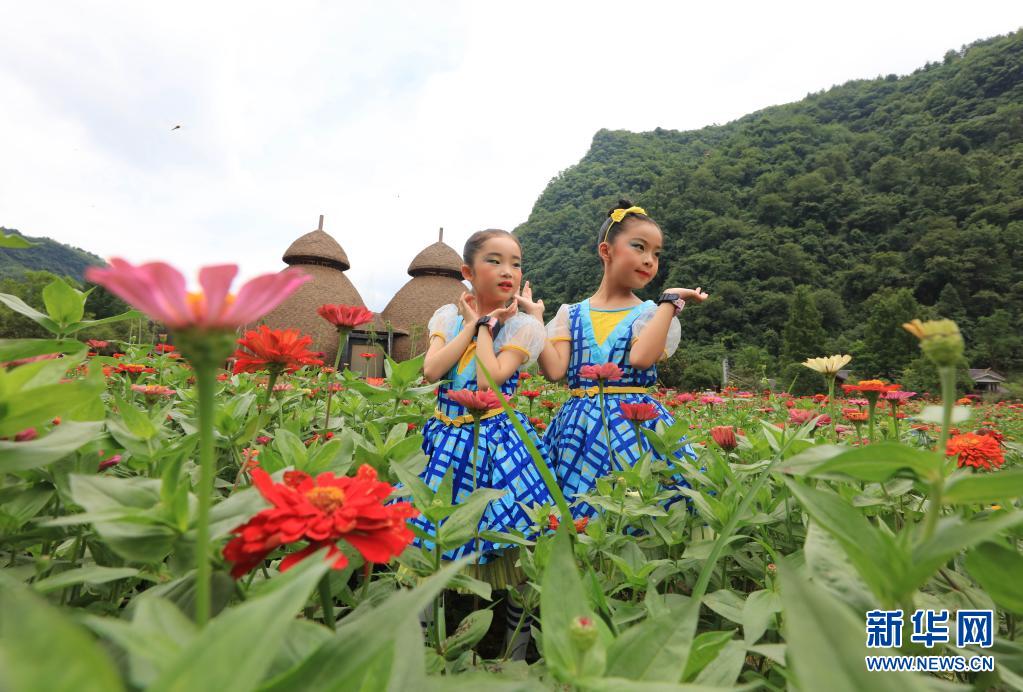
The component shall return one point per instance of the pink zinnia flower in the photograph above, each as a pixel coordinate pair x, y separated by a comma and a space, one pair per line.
603, 372
159, 290
475, 402
800, 416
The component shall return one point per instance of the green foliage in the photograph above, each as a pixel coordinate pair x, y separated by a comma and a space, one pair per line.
893, 183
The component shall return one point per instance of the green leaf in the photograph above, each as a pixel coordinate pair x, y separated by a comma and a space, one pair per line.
463, 522
129, 507
562, 601
657, 648
22, 308
468, 633
421, 493
91, 574
705, 648
64, 303
757, 614
30, 408
998, 570
879, 462
951, 536
344, 661
291, 448
245, 635
830, 567
726, 666
88, 324
827, 645
975, 488
16, 349
727, 604
66, 438
42, 649
153, 639
873, 553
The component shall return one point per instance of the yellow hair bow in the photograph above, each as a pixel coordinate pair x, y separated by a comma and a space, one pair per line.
618, 214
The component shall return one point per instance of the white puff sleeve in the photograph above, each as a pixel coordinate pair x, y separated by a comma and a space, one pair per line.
443, 322
558, 328
674, 330
522, 333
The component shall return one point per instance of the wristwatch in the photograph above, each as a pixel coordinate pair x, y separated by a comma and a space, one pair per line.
488, 321
675, 299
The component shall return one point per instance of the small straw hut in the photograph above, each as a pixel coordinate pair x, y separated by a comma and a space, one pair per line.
436, 280
320, 256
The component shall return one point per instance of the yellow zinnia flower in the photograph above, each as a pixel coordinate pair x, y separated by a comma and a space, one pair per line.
828, 366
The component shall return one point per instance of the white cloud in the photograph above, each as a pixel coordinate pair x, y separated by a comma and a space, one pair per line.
390, 119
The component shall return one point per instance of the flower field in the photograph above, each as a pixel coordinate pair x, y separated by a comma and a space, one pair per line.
173, 516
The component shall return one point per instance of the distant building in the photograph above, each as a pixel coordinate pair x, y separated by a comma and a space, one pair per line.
987, 380
400, 330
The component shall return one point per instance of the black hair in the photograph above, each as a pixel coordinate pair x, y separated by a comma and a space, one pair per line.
609, 236
476, 240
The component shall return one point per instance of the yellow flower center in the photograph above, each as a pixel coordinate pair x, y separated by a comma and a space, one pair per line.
328, 499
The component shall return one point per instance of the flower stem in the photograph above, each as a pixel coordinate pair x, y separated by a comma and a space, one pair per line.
342, 341
947, 375
607, 430
206, 380
327, 601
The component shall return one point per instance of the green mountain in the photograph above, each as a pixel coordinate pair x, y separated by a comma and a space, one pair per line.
45, 255
885, 198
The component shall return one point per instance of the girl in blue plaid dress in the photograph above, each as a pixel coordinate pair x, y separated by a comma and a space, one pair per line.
485, 324
612, 326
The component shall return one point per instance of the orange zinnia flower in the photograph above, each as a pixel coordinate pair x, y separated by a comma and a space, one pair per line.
724, 436
978, 451
321, 512
267, 348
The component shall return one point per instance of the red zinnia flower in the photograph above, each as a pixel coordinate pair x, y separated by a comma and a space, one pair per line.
801, 416
524, 375
269, 348
367, 356
476, 402
724, 436
979, 451
321, 512
152, 391
602, 372
580, 524
639, 412
375, 381
345, 316
134, 368
549, 405
97, 343
530, 393
164, 348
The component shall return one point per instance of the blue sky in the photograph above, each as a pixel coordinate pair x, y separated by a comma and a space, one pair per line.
391, 118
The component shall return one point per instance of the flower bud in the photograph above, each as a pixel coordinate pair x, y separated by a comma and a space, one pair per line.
583, 633
940, 340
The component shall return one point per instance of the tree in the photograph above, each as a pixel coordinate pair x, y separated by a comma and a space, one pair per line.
888, 347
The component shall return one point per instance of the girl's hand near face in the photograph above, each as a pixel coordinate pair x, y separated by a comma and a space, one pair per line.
525, 301
506, 313
467, 309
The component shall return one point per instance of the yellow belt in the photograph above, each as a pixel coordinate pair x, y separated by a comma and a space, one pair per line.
593, 391
466, 419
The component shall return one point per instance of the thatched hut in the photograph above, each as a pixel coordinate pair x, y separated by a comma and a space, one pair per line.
319, 255
436, 280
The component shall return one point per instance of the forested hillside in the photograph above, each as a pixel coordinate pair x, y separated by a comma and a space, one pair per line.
45, 255
872, 202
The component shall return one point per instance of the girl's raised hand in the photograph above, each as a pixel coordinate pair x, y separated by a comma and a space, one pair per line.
688, 293
525, 301
467, 309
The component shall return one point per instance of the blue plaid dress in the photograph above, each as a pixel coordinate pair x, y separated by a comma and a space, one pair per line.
575, 437
503, 461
